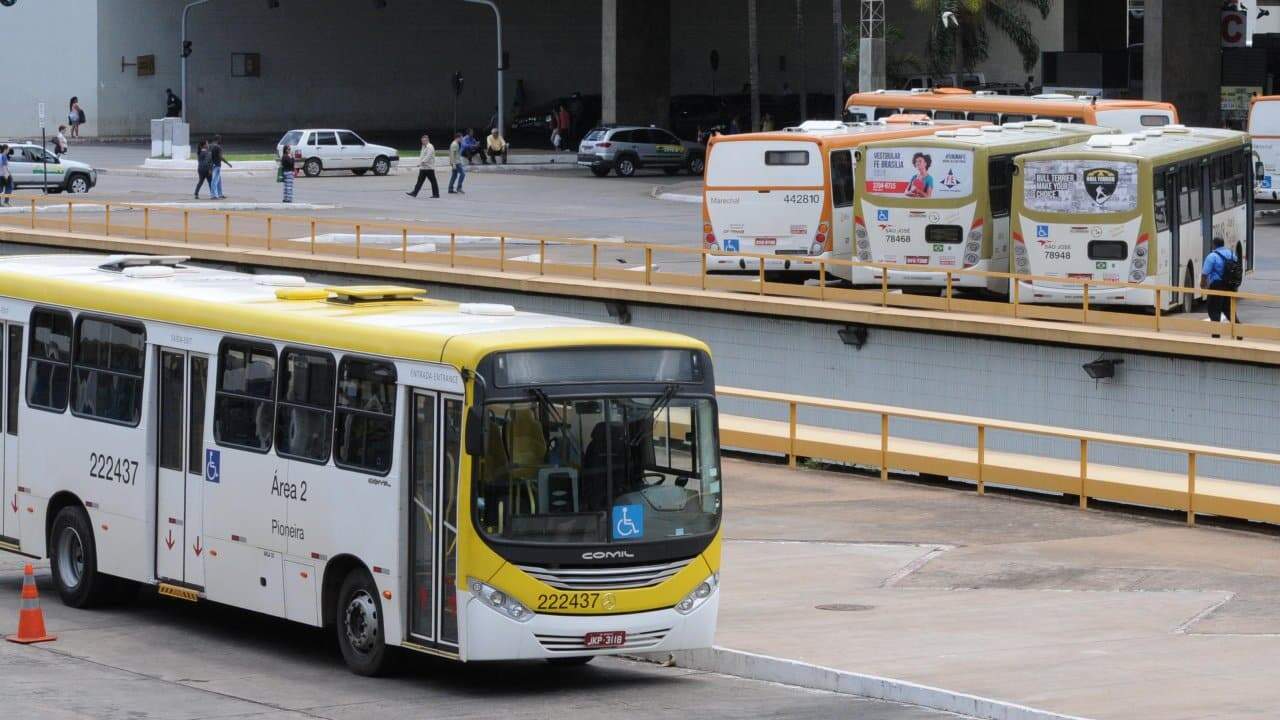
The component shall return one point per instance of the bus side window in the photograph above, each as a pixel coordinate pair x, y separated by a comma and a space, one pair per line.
1194, 182
364, 424
1161, 201
1054, 118
49, 360
107, 372
842, 178
1241, 175
15, 374
244, 406
948, 115
983, 117
1000, 183
305, 413
1220, 177
885, 112
1014, 118
1184, 195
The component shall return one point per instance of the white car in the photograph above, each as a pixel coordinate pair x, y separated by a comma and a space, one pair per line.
30, 164
318, 150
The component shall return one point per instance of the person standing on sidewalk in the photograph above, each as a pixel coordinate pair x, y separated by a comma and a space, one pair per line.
1221, 270
204, 168
217, 160
75, 116
6, 175
426, 169
286, 172
459, 174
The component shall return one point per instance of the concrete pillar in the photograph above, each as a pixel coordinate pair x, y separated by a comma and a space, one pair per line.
871, 60
1182, 57
635, 62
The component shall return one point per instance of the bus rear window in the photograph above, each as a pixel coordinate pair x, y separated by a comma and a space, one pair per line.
1081, 186
1108, 250
1154, 120
786, 157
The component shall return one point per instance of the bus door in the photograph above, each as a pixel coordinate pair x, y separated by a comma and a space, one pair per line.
1167, 208
10, 374
842, 203
1202, 168
436, 441
182, 379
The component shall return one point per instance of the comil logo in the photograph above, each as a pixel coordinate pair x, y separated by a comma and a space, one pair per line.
608, 555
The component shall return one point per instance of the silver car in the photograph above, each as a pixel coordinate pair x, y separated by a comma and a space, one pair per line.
30, 165
625, 149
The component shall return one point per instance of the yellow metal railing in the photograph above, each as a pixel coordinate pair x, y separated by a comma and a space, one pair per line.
981, 465
212, 228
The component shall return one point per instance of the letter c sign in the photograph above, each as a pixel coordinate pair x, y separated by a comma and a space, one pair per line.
1233, 28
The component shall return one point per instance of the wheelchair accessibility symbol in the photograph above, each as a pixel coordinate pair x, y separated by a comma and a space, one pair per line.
628, 521
213, 466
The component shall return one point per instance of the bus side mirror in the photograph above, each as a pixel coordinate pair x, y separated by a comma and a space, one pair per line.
475, 432
1258, 169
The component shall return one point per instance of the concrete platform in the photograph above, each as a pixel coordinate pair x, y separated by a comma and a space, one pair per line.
1094, 614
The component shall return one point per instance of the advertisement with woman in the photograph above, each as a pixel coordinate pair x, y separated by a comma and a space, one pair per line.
919, 172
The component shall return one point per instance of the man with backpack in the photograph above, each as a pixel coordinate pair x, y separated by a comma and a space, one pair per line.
1221, 270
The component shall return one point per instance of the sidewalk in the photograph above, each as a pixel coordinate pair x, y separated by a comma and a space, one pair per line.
1093, 614
518, 161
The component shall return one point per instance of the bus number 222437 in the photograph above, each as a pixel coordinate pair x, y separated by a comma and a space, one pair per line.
113, 469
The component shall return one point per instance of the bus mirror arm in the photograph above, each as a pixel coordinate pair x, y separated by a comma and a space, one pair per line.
473, 436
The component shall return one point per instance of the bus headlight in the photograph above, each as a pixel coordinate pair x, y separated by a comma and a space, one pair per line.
694, 600
500, 601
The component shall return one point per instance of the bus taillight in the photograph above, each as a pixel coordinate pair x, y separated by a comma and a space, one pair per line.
1021, 264
708, 237
1138, 266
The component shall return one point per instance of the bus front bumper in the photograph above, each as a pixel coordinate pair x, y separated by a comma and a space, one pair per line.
493, 636
859, 275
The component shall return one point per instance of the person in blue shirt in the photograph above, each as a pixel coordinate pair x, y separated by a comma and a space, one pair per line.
1211, 277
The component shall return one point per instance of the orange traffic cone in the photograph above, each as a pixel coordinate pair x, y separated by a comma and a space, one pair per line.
30, 617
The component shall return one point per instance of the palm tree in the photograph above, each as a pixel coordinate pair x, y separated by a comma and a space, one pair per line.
1006, 16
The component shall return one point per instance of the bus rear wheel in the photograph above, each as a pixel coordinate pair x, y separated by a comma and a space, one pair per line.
359, 625
73, 557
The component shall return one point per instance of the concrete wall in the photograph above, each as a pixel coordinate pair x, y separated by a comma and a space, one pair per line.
48, 51
344, 62
1182, 58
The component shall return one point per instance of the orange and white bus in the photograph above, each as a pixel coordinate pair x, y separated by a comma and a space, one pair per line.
790, 193
989, 107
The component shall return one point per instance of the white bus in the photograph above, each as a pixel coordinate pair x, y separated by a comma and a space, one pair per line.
1131, 208
789, 193
461, 480
942, 201
1264, 128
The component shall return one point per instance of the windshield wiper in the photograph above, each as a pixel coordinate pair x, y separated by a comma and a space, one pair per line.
541, 396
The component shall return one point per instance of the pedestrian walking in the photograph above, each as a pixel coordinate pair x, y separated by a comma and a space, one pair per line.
1221, 270
565, 122
172, 104
75, 116
459, 173
217, 161
426, 169
204, 168
285, 174
60, 141
6, 176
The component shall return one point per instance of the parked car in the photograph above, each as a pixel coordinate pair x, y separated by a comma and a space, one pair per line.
30, 165
625, 149
532, 129
318, 150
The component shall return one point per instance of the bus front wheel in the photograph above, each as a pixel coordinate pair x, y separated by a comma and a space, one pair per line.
73, 556
360, 627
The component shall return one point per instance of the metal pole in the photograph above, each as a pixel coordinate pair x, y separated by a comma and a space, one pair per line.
837, 22
497, 19
183, 56
803, 89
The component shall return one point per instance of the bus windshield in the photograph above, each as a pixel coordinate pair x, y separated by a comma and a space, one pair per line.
1080, 186
919, 173
599, 470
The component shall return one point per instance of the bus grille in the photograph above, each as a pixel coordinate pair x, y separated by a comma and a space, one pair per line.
613, 578
574, 643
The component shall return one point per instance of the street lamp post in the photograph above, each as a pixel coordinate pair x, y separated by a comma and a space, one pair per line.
498, 20
183, 53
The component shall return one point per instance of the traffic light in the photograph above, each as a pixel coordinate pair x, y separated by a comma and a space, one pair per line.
186, 48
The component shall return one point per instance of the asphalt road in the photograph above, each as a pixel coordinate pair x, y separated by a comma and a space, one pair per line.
162, 658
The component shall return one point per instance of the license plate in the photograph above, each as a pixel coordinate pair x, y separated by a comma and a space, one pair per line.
612, 638
766, 241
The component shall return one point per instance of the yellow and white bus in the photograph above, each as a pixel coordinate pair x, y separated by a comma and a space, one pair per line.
789, 193
942, 201
463, 480
990, 107
1131, 208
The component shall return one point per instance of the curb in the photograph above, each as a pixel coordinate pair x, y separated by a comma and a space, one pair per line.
190, 205
406, 170
659, 194
751, 666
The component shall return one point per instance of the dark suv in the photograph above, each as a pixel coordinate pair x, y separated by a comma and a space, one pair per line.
628, 148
